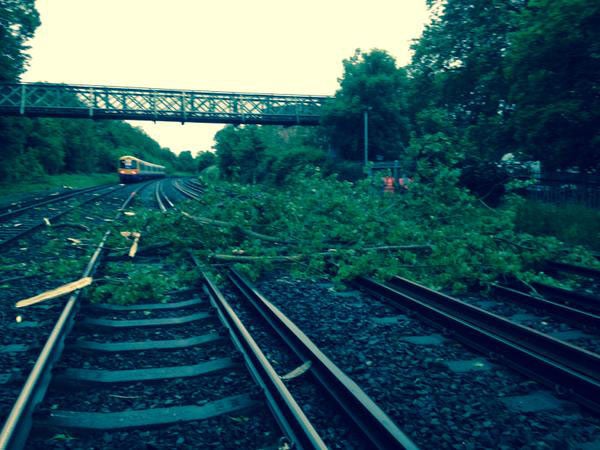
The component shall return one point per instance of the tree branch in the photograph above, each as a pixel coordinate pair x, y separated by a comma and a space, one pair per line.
219, 223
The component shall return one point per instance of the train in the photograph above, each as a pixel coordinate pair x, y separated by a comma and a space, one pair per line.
132, 169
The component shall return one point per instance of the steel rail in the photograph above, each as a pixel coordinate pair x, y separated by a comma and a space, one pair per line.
30, 204
568, 296
369, 419
574, 268
54, 217
575, 358
158, 196
286, 411
165, 197
164, 202
517, 354
192, 185
564, 312
186, 192
17, 426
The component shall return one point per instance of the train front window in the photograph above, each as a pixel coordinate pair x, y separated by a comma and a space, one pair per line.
128, 164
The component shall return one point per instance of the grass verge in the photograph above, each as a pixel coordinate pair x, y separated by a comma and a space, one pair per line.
12, 191
571, 223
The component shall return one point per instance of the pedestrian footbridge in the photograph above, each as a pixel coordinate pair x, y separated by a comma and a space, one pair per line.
121, 103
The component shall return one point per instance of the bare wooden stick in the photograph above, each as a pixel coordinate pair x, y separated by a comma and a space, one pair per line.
58, 292
299, 257
219, 223
242, 258
399, 247
524, 247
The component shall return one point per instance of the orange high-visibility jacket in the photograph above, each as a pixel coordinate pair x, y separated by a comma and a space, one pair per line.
389, 184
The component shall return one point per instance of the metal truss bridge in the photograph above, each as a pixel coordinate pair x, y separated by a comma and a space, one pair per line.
104, 102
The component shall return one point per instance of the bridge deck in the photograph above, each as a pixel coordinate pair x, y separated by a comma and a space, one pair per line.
103, 102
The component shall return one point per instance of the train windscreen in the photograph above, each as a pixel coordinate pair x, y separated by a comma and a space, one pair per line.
128, 164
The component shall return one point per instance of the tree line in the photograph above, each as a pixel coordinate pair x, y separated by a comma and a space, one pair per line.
488, 77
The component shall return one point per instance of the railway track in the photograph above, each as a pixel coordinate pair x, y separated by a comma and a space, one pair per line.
445, 394
15, 208
570, 356
547, 359
189, 188
563, 312
163, 202
187, 372
30, 371
41, 262
585, 298
580, 309
16, 223
137, 367
360, 420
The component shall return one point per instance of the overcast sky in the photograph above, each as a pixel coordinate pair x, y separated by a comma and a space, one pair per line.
278, 46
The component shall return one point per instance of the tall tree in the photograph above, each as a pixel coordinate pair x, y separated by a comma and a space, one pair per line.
554, 69
46, 143
205, 159
371, 82
458, 65
185, 161
18, 21
227, 141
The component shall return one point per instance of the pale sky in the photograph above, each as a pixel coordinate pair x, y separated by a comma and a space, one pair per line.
277, 46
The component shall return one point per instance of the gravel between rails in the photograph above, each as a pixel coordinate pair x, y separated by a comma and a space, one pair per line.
147, 334
35, 215
158, 394
174, 194
146, 314
250, 430
435, 406
328, 422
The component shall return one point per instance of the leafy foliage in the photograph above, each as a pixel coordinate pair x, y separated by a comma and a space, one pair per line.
251, 154
130, 283
372, 83
18, 22
435, 232
554, 89
540, 218
514, 76
35, 147
205, 160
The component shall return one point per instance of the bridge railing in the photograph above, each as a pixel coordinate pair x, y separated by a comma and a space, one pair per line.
102, 102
